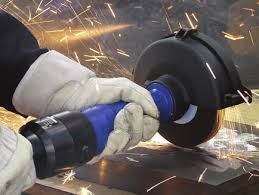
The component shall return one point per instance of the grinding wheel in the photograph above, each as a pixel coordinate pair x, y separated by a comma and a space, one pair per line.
203, 75
204, 126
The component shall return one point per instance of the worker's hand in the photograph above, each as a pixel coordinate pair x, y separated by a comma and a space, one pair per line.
55, 83
136, 122
131, 127
17, 171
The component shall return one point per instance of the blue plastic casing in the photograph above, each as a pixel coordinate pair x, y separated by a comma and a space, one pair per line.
102, 119
102, 116
163, 99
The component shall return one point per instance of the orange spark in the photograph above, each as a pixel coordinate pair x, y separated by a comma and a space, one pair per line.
63, 38
190, 21
242, 24
232, 37
251, 37
77, 58
100, 48
54, 31
77, 15
110, 8
201, 176
41, 22
119, 51
40, 13
95, 58
170, 7
48, 3
195, 18
169, 26
96, 32
212, 73
154, 186
132, 159
38, 8
253, 92
242, 96
69, 176
54, 12
94, 50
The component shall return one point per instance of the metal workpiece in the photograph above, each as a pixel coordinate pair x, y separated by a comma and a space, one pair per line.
201, 170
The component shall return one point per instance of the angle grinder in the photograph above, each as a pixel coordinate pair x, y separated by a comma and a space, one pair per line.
191, 80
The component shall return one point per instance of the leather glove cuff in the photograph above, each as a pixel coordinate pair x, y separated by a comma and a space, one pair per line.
50, 72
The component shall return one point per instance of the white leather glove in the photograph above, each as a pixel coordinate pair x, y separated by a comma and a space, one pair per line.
55, 83
131, 127
17, 171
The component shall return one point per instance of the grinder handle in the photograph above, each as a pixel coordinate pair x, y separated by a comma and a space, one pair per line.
69, 139
102, 118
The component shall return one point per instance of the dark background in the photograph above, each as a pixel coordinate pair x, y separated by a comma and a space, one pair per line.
148, 20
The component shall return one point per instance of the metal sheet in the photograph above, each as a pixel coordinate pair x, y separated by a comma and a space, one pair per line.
149, 163
123, 176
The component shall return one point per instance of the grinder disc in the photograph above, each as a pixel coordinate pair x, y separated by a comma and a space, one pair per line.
207, 75
203, 127
157, 61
